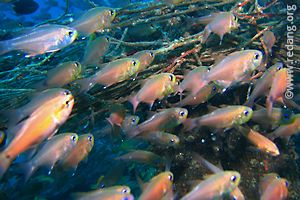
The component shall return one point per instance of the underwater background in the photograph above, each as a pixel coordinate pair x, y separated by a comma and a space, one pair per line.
173, 31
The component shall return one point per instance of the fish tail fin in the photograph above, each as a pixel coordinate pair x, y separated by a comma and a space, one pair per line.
134, 101
27, 170
206, 34
5, 162
4, 47
189, 124
85, 84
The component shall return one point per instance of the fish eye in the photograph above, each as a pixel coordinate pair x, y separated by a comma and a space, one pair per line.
151, 54
76, 64
171, 77
90, 138
133, 120
124, 191
67, 103
102, 185
67, 92
286, 183
111, 12
70, 33
107, 38
246, 112
214, 88
182, 113
133, 62
73, 137
172, 141
233, 178
170, 177
234, 198
256, 56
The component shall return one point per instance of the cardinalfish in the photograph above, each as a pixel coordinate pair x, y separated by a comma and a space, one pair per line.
156, 87
278, 89
202, 96
95, 50
40, 40
61, 75
223, 22
51, 152
113, 72
130, 121
235, 68
37, 101
269, 40
80, 152
159, 187
205, 19
236, 194
41, 124
273, 187
263, 85
287, 130
226, 117
261, 142
160, 138
192, 80
94, 20
278, 116
145, 57
115, 192
161, 121
141, 156
215, 186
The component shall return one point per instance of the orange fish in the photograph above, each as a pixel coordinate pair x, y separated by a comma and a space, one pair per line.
192, 80
263, 85
202, 96
38, 100
61, 75
95, 19
278, 116
278, 89
223, 22
156, 87
236, 194
40, 125
110, 193
222, 118
266, 180
165, 119
215, 186
145, 57
113, 72
277, 190
40, 40
81, 150
161, 138
260, 141
95, 49
51, 152
287, 130
235, 68
158, 187
142, 156
269, 40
